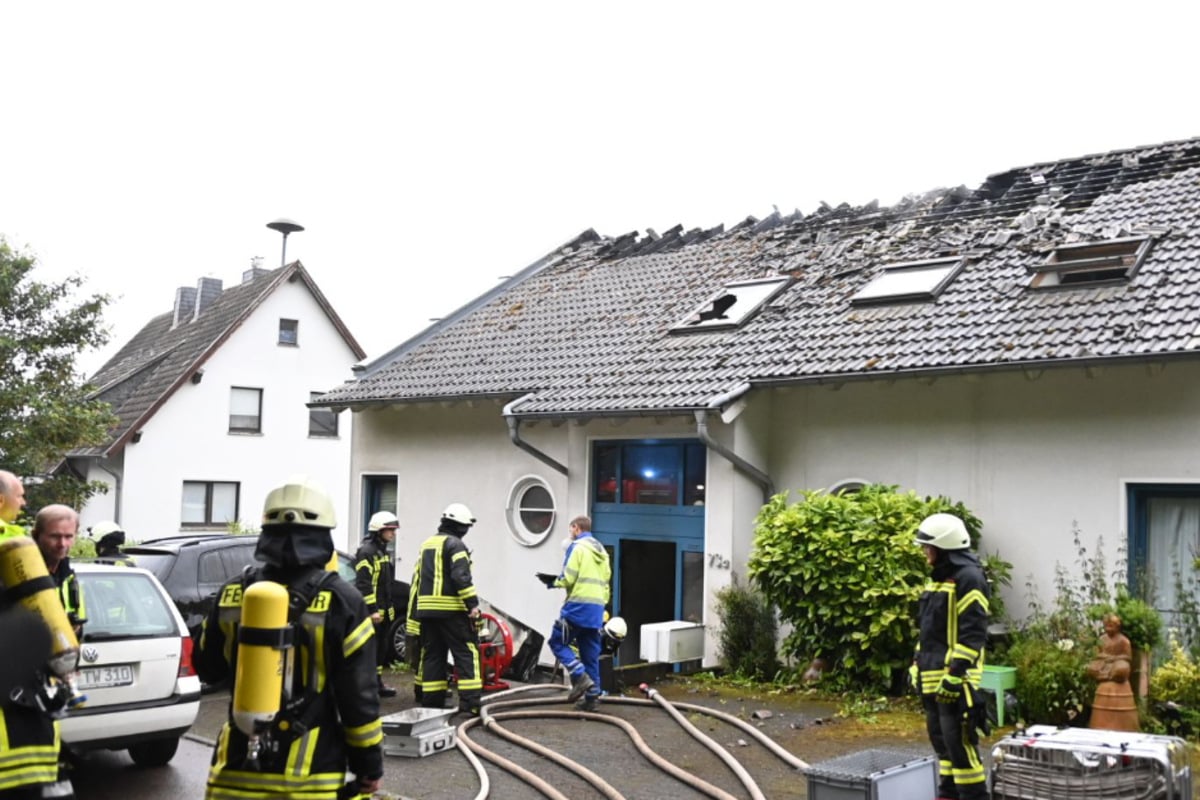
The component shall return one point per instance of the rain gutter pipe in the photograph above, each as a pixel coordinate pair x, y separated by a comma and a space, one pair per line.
742, 465
514, 434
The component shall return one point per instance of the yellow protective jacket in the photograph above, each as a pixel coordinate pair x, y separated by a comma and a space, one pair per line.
332, 720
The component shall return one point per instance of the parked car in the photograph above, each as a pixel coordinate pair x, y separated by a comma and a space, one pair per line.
193, 567
135, 668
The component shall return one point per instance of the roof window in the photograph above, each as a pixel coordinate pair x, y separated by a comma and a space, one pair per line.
732, 306
1091, 262
912, 280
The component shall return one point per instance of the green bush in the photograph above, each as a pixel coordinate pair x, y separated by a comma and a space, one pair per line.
1052, 683
1175, 692
1140, 621
844, 573
748, 632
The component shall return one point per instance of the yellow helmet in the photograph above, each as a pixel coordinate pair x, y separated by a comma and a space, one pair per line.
300, 501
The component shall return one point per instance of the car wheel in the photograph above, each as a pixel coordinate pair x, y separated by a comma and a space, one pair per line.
395, 641
154, 753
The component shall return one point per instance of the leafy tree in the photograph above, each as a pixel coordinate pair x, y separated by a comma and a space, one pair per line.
843, 571
45, 410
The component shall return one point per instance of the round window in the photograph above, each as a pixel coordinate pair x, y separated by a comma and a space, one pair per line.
530, 510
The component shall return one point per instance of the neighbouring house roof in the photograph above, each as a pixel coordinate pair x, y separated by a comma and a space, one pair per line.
162, 356
588, 330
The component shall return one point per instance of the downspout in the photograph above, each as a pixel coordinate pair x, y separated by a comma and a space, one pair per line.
740, 464
117, 488
514, 434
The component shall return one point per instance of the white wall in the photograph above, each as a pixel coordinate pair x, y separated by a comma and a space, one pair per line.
188, 438
1031, 457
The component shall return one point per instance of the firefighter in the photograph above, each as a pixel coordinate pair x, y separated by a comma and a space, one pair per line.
585, 575
109, 537
447, 608
328, 716
948, 665
54, 530
30, 708
373, 578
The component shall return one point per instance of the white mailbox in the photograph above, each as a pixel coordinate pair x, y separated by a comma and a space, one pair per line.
672, 642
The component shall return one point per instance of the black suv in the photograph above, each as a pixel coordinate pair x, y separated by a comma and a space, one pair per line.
193, 567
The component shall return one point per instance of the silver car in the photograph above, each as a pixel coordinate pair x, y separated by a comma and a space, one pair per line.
135, 668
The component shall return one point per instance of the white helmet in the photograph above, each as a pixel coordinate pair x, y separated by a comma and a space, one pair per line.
943, 531
616, 628
102, 529
300, 501
382, 519
457, 512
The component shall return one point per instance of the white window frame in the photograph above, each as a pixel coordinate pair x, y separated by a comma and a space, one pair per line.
513, 511
910, 281
752, 295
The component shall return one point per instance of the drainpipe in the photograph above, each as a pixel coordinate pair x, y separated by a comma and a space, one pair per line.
742, 465
514, 434
116, 488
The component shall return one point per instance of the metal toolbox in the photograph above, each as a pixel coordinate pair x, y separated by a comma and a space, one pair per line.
1047, 763
873, 775
417, 732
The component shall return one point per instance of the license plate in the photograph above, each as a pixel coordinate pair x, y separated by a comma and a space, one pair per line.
103, 677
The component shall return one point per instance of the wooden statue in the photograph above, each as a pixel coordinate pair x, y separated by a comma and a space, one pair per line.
1113, 707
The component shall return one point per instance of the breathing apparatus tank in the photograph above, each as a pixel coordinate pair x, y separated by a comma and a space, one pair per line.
25, 578
261, 663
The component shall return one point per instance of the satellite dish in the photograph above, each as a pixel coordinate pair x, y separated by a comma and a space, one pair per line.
284, 226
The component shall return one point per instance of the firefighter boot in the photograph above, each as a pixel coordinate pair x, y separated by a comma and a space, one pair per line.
384, 691
579, 685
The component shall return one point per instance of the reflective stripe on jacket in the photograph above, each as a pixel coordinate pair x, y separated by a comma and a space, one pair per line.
586, 575
442, 578
953, 617
373, 576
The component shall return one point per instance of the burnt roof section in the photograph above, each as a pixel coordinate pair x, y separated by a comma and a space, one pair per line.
144, 373
585, 331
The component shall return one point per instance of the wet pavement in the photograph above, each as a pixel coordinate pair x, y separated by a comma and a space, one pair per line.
808, 730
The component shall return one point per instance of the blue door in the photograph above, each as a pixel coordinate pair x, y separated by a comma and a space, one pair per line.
648, 510
1164, 542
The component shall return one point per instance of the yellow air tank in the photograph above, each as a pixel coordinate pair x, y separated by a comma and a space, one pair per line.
23, 573
258, 685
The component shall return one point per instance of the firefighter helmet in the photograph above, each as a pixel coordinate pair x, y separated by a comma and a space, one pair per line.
300, 501
382, 519
102, 529
616, 628
943, 531
457, 512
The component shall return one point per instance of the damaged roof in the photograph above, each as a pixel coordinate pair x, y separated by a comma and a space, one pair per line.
144, 374
588, 330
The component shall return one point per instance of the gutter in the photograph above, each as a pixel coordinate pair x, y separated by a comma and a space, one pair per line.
118, 490
740, 464
514, 434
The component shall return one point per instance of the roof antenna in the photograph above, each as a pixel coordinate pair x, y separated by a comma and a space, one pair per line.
284, 226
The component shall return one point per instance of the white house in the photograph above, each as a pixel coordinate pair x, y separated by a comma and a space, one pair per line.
212, 400
1028, 347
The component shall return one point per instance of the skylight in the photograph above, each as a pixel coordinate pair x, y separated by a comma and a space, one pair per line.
731, 306
1091, 262
913, 280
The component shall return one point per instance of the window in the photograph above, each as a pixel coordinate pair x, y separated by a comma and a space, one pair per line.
914, 280
245, 410
530, 510
289, 332
209, 503
1091, 262
650, 473
732, 306
322, 422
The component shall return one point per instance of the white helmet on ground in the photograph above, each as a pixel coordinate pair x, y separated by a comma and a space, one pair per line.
616, 628
382, 519
457, 512
943, 531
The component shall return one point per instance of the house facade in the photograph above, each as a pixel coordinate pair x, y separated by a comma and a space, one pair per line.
212, 401
1028, 347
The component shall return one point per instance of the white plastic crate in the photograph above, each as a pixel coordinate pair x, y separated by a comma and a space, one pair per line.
1047, 763
418, 732
874, 775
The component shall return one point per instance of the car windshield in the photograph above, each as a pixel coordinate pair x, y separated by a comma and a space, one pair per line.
157, 562
124, 604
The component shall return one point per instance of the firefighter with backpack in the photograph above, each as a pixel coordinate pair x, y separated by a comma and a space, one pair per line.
299, 646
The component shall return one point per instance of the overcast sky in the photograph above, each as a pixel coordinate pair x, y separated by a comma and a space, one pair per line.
431, 148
